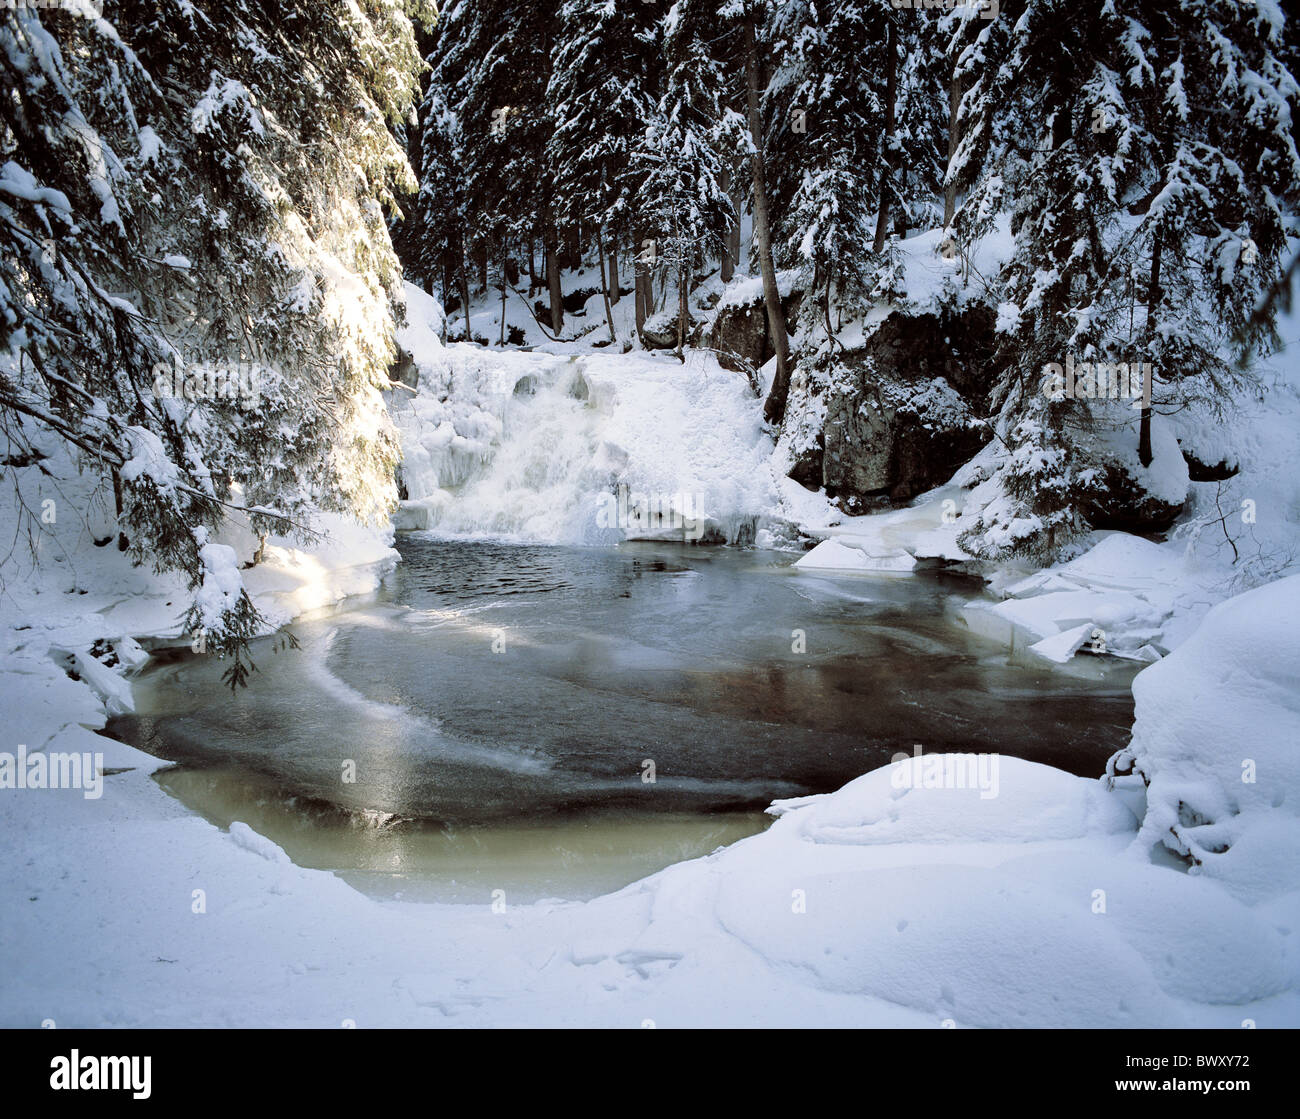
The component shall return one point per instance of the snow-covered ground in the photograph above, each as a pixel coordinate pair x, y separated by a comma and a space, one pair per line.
916, 896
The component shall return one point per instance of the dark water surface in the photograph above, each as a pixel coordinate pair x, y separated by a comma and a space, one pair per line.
502, 702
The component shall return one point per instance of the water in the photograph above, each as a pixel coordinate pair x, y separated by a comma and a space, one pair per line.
503, 707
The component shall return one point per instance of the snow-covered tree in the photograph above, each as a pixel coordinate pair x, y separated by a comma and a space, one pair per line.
1146, 162
491, 67
689, 144
601, 98
193, 201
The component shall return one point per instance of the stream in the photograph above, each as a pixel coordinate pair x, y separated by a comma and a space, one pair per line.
558, 722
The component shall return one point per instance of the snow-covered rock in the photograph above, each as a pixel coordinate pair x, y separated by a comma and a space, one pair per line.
1216, 736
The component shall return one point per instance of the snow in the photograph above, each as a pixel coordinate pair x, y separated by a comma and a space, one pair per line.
111, 688
1128, 593
422, 334
17, 181
222, 584
77, 588
831, 555
1217, 736
149, 459
1030, 897
1023, 803
1060, 647
1142, 597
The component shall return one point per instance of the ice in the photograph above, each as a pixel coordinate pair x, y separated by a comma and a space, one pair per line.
528, 445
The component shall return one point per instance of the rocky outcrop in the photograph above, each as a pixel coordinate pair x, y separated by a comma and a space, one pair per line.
1200, 471
1125, 495
404, 371
660, 332
740, 336
1121, 501
890, 420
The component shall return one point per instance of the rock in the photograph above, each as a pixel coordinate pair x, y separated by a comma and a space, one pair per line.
660, 332
1121, 502
740, 336
1126, 495
575, 302
404, 371
1199, 471
888, 421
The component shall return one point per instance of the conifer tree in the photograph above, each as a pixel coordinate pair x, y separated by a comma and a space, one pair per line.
691, 141
192, 202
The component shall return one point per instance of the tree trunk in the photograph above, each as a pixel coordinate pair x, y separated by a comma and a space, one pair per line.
483, 270
609, 310
774, 407
534, 285
1153, 300
728, 256
738, 204
638, 282
891, 96
550, 243
464, 292
122, 542
446, 293
614, 294
950, 191
683, 290
826, 304
502, 340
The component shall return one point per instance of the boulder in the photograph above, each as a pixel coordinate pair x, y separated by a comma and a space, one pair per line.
895, 412
404, 371
739, 333
740, 337
660, 332
1201, 471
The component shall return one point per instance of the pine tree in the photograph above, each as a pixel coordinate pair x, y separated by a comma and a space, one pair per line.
490, 69
690, 142
1147, 164
824, 120
601, 99
193, 203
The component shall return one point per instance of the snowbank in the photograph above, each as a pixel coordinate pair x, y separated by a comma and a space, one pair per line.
1217, 739
72, 596
1125, 597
